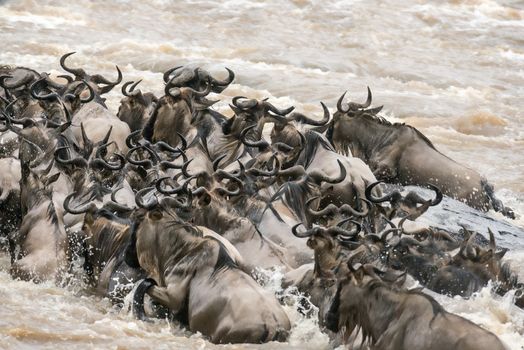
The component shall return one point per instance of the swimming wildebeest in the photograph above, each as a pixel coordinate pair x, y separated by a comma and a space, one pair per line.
195, 277
400, 153
390, 318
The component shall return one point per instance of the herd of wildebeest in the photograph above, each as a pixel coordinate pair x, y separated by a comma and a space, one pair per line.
172, 199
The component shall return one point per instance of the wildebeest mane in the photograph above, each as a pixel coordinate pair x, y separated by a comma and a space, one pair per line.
376, 284
382, 121
203, 125
131, 255
314, 140
254, 208
51, 213
224, 261
294, 195
149, 128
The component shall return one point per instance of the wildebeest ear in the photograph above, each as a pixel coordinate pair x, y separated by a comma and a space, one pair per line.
204, 200
155, 214
50, 179
500, 255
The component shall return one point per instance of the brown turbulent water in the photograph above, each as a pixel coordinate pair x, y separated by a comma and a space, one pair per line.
454, 69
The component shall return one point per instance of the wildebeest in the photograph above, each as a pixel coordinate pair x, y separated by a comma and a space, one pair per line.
42, 238
136, 107
195, 276
10, 210
400, 153
391, 318
106, 237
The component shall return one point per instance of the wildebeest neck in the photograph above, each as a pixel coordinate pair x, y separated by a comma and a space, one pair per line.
314, 140
366, 135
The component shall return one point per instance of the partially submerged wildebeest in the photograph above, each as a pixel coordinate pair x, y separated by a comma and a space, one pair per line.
196, 278
136, 107
400, 153
394, 319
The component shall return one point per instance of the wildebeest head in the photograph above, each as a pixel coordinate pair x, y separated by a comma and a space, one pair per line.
352, 108
251, 111
92, 80
483, 261
136, 107
411, 205
327, 243
343, 127
42, 237
288, 130
197, 78
299, 185
173, 114
331, 214
349, 306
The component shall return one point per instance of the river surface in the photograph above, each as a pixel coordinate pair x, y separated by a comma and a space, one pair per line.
454, 69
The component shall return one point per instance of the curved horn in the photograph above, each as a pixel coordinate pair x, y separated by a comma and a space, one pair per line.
131, 92
78, 161
78, 72
26, 79
346, 209
368, 100
98, 79
340, 108
280, 112
146, 163
202, 93
45, 97
385, 234
168, 72
318, 176
438, 197
175, 190
67, 206
183, 141
305, 234
299, 117
244, 105
338, 230
373, 199
329, 210
184, 77
225, 82
91, 93
139, 199
355, 106
52, 83
68, 78
260, 144
259, 172
129, 138
109, 166
216, 162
